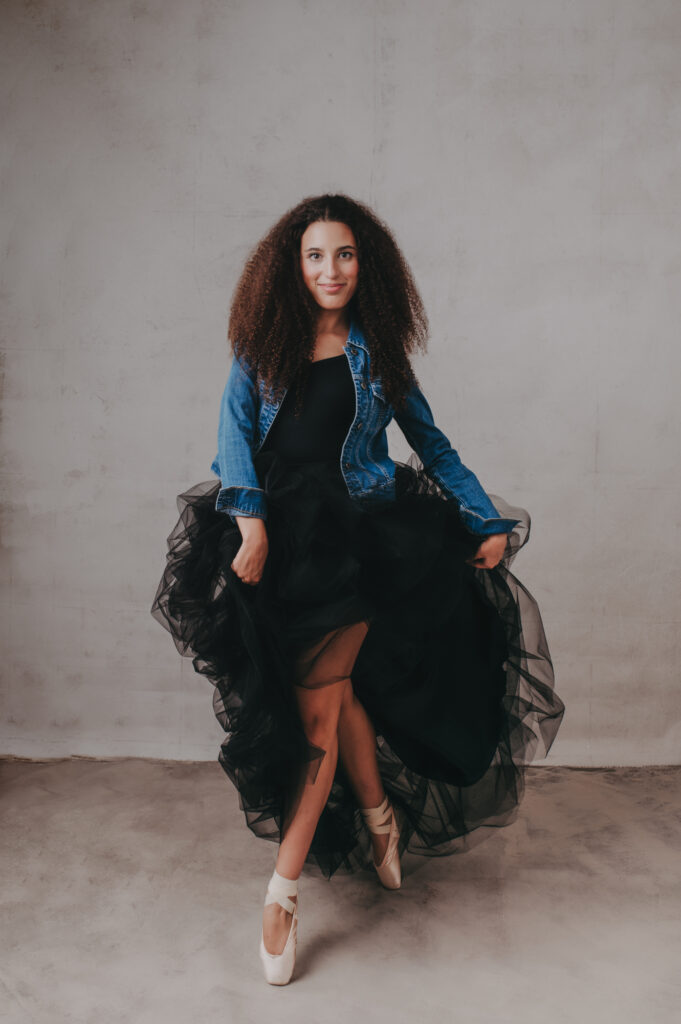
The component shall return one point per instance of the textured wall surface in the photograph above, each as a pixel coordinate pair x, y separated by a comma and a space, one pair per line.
526, 156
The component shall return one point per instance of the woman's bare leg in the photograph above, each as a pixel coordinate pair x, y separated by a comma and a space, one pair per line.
357, 749
323, 678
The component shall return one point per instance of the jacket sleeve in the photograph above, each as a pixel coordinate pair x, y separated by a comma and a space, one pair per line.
443, 465
241, 493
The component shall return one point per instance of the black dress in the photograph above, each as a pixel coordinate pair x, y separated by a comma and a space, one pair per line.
454, 671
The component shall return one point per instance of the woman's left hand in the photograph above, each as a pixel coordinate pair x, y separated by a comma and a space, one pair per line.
490, 551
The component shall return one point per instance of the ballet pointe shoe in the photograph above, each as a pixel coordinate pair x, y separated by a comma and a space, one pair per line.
381, 820
278, 967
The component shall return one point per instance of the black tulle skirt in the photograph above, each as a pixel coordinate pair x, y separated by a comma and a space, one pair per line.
454, 671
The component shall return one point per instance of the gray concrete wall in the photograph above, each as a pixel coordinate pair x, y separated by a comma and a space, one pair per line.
526, 155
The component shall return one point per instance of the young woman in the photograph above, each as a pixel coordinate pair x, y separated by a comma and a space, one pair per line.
381, 674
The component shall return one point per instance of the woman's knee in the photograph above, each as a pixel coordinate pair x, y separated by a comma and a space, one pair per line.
348, 696
320, 710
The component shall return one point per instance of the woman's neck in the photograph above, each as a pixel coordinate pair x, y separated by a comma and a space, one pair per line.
333, 321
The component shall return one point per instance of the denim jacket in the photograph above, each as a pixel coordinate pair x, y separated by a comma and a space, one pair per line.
248, 409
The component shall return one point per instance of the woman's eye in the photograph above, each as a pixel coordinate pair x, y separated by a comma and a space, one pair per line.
316, 256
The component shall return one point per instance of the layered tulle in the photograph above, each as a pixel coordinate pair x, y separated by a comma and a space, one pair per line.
454, 671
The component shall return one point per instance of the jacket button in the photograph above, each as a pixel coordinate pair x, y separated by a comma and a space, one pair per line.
364, 387
359, 424
347, 465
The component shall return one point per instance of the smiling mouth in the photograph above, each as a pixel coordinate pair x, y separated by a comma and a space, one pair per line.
331, 287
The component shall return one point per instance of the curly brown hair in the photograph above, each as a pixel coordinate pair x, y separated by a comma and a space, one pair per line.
273, 316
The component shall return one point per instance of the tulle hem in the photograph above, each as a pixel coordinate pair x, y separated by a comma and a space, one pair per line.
455, 671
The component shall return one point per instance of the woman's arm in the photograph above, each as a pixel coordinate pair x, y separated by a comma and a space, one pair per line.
241, 493
241, 497
442, 463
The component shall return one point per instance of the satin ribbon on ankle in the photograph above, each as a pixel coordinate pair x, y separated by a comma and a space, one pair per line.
279, 889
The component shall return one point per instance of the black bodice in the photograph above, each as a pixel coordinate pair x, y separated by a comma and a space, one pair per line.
328, 409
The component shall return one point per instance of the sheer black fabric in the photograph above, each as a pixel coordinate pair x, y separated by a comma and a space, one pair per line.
454, 670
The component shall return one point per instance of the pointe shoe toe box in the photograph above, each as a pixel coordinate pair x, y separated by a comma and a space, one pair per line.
278, 967
390, 874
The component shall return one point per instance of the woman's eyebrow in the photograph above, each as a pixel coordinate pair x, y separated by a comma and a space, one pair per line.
317, 248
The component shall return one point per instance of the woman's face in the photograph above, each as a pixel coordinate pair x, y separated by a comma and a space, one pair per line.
328, 259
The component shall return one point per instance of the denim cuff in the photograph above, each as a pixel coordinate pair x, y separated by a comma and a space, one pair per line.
242, 501
486, 527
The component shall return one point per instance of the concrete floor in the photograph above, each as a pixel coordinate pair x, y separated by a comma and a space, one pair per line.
133, 893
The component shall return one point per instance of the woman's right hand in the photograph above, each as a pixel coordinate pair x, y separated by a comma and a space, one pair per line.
249, 561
